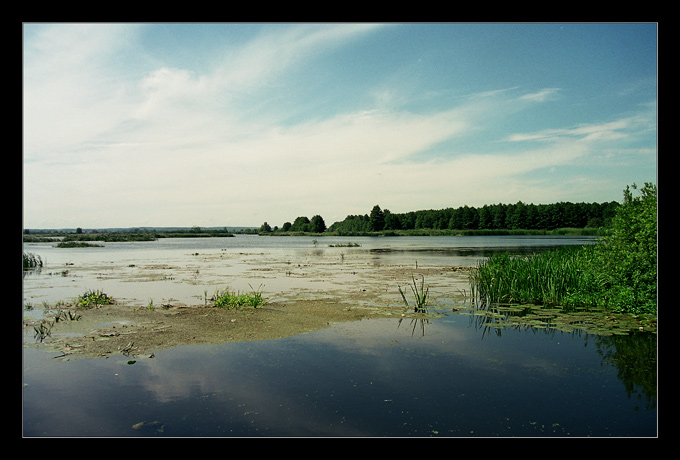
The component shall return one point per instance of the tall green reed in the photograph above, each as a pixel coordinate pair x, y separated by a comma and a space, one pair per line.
420, 295
552, 277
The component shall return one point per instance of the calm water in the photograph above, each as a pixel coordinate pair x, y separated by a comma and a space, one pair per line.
369, 378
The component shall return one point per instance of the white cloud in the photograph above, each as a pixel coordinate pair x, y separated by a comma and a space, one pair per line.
158, 144
540, 96
622, 128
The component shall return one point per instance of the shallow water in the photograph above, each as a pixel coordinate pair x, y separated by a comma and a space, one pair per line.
377, 377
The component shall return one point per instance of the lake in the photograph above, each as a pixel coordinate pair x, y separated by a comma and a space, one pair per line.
379, 377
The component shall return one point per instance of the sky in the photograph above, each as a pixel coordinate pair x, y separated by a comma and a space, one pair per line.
232, 124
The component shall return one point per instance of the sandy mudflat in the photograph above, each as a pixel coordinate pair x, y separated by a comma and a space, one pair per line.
328, 295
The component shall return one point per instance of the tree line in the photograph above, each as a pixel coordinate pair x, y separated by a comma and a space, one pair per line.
518, 216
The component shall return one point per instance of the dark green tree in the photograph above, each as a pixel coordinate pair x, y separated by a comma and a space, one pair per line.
392, 221
301, 224
317, 224
377, 219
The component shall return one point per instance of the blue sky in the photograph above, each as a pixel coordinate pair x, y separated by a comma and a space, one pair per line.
236, 124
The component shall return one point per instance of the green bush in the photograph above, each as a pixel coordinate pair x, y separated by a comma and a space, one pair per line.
624, 264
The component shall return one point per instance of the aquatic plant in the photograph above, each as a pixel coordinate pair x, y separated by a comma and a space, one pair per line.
229, 299
546, 278
93, 299
67, 315
78, 244
31, 261
420, 294
43, 329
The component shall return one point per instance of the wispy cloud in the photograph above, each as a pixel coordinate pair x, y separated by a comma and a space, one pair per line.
106, 123
623, 128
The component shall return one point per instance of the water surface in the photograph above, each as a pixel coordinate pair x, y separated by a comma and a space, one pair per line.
377, 377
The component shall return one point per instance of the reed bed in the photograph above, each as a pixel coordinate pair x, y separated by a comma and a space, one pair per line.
31, 261
547, 278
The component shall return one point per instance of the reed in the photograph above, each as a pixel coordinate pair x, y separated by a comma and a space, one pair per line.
548, 278
420, 295
31, 261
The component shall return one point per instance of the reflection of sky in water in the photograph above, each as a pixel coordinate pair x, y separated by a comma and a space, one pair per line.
368, 378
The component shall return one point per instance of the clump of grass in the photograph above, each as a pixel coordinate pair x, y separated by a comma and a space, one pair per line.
228, 299
420, 294
94, 299
344, 245
31, 261
67, 315
43, 329
546, 278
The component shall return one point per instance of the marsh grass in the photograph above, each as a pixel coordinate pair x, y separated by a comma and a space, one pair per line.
78, 244
546, 278
420, 294
225, 298
31, 261
43, 330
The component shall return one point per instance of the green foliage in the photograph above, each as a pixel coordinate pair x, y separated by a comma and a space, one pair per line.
546, 278
420, 295
497, 217
317, 224
93, 299
624, 264
229, 299
377, 219
301, 224
618, 272
31, 261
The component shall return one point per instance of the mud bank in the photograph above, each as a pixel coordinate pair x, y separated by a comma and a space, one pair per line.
138, 331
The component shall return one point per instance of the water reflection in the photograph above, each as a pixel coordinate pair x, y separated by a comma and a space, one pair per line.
367, 378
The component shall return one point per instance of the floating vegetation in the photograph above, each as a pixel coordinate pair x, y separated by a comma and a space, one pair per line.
229, 299
596, 321
93, 299
344, 245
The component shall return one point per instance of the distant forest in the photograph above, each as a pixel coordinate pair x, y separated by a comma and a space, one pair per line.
489, 217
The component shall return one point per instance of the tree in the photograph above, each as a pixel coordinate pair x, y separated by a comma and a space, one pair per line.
286, 226
265, 228
301, 224
317, 225
377, 219
392, 221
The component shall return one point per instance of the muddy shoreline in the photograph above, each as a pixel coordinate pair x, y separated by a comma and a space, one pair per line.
128, 328
134, 331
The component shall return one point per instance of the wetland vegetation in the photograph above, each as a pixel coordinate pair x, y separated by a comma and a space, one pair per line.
619, 272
